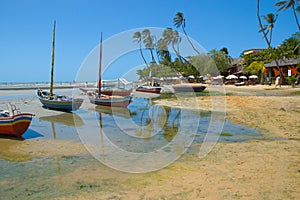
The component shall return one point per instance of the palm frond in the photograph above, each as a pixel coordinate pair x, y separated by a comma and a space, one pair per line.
298, 9
179, 20
284, 5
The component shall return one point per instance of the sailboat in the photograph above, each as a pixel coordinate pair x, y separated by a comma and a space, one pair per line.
107, 100
53, 101
14, 123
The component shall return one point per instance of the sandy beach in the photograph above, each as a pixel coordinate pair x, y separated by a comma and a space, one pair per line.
267, 168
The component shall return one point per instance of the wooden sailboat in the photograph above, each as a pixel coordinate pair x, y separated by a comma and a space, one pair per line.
110, 92
13, 123
57, 102
107, 100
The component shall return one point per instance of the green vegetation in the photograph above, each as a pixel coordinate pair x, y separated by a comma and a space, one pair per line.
297, 92
224, 134
255, 68
165, 59
292, 80
167, 65
289, 48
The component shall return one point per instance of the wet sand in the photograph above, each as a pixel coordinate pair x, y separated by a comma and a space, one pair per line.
257, 169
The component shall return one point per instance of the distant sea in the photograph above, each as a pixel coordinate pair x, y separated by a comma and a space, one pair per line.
61, 85
35, 85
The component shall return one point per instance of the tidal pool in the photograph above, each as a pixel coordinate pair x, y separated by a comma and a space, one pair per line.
141, 129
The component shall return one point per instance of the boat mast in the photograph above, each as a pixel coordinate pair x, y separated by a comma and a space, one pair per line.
100, 67
52, 67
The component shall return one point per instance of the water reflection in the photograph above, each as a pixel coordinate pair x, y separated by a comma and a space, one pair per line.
151, 133
68, 119
113, 111
61, 126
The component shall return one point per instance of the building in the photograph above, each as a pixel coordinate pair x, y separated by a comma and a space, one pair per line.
288, 67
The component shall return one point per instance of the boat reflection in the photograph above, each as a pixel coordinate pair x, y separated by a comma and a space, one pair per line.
113, 111
68, 119
142, 120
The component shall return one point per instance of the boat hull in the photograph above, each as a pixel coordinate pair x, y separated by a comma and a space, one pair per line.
15, 125
149, 89
117, 92
62, 104
111, 101
110, 92
188, 88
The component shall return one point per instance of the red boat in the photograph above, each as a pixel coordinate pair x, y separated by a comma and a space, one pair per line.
14, 124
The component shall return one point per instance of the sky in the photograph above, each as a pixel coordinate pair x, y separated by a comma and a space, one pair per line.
26, 33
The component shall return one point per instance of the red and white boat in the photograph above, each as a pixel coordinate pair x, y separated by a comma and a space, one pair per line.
106, 100
13, 123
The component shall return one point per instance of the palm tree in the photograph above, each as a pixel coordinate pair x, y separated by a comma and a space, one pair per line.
284, 5
228, 57
148, 40
179, 21
138, 39
263, 30
162, 49
271, 19
171, 37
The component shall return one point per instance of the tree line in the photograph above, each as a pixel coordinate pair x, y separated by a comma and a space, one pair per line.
215, 62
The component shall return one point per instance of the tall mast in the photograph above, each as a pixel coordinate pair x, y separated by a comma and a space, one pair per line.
52, 67
100, 67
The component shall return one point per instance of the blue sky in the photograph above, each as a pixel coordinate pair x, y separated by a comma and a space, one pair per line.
26, 31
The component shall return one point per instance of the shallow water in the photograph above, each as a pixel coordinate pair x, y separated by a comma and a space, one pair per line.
141, 129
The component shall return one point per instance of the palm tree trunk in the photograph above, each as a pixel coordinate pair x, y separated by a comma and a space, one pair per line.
143, 55
296, 17
177, 53
187, 37
261, 26
271, 34
144, 59
152, 56
268, 42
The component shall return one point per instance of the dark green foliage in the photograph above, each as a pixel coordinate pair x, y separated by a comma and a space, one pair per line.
290, 48
226, 134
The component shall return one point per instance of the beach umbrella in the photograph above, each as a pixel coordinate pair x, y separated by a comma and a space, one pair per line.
243, 77
218, 77
231, 77
253, 76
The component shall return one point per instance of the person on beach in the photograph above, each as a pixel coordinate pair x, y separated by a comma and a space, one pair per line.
277, 81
